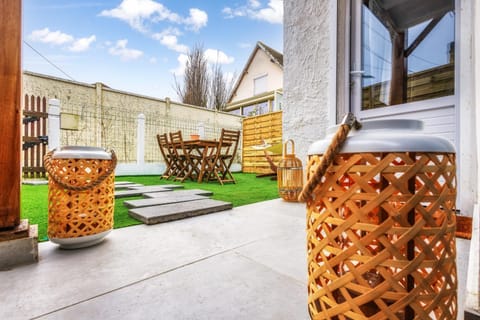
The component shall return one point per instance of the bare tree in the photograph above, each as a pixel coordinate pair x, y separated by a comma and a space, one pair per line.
194, 90
220, 88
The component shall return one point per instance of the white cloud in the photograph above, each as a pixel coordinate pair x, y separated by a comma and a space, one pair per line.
197, 19
217, 56
171, 42
182, 62
152, 60
169, 39
52, 37
59, 38
254, 4
273, 13
120, 49
139, 13
82, 44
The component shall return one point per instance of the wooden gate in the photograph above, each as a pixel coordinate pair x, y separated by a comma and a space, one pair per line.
35, 137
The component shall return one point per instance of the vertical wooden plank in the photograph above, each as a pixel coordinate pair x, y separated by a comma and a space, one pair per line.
44, 133
31, 133
10, 106
37, 134
25, 134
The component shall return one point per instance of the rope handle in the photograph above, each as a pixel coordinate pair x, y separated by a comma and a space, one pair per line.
285, 148
333, 149
47, 159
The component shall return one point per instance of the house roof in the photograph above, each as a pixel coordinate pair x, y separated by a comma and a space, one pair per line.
275, 57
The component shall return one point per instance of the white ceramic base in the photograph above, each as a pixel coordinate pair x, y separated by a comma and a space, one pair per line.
80, 242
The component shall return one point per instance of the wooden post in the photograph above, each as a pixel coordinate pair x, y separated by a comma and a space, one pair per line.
10, 109
398, 85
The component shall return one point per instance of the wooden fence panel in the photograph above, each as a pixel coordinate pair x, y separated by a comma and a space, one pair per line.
427, 84
256, 131
34, 136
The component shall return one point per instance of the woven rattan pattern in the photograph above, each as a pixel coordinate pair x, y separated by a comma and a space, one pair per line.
80, 213
380, 237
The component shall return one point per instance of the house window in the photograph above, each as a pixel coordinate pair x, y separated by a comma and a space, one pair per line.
404, 52
236, 111
249, 111
260, 84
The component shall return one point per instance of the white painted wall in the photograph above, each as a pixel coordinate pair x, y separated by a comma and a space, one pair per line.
260, 65
309, 61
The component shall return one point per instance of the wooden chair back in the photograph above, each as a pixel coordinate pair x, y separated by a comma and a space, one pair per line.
229, 140
168, 155
164, 146
177, 143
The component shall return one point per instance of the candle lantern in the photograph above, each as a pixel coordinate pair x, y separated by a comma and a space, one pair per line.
80, 195
381, 225
289, 174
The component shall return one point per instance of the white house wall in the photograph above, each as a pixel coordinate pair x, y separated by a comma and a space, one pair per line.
260, 65
308, 62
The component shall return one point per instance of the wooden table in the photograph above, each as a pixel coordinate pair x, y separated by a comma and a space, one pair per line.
204, 149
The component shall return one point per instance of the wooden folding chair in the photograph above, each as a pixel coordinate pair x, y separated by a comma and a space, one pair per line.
187, 162
168, 154
218, 165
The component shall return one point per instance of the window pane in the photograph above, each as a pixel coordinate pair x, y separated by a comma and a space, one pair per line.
407, 52
259, 85
248, 111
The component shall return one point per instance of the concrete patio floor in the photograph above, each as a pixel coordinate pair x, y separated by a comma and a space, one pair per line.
244, 263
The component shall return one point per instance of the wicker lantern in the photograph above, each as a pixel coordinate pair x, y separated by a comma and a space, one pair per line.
80, 195
289, 174
381, 226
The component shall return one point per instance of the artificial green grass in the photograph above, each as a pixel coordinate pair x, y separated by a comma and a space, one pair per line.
248, 189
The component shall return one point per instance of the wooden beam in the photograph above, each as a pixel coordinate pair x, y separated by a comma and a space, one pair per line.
398, 84
422, 36
10, 109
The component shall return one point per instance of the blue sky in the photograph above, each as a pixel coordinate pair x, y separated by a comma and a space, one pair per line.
138, 45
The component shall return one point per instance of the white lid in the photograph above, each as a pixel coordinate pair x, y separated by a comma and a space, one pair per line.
78, 152
397, 135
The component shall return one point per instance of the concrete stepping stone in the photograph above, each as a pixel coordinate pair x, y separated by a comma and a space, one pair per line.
127, 186
197, 192
138, 191
176, 211
168, 197
122, 183
159, 187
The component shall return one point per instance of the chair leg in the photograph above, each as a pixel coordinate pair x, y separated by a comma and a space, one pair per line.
226, 174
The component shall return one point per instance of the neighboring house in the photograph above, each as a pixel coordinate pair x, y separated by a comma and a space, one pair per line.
386, 59
258, 89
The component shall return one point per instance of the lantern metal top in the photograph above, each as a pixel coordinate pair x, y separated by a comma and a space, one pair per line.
396, 135
81, 152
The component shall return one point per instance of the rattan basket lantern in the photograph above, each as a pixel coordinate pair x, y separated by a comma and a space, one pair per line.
289, 174
381, 226
80, 195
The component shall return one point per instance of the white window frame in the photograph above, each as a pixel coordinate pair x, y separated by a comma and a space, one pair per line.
356, 74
